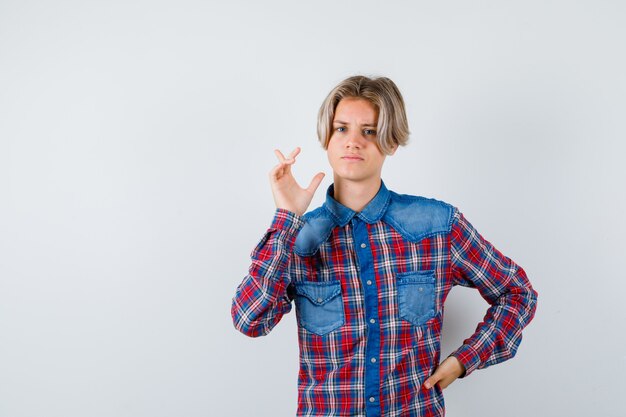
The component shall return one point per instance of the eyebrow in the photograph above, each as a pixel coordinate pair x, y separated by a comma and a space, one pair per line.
345, 123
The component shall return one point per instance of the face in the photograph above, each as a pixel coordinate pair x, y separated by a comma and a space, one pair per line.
352, 150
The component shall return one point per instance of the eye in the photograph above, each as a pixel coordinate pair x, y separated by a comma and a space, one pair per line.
340, 129
369, 132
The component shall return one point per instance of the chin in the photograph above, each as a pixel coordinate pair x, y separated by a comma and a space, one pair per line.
351, 176
342, 173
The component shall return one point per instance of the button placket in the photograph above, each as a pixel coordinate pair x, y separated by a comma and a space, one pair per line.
367, 275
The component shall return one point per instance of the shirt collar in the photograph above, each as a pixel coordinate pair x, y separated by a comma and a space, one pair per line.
371, 213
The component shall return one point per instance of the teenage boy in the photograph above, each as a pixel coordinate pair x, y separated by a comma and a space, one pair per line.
370, 270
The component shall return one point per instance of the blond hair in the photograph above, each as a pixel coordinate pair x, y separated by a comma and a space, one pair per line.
392, 127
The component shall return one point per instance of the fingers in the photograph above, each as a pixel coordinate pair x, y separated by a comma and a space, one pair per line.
292, 156
283, 165
294, 153
439, 378
277, 172
432, 380
445, 374
279, 155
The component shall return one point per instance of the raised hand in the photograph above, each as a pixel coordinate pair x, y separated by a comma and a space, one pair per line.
287, 192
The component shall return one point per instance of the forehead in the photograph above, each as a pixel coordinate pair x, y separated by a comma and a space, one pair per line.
356, 109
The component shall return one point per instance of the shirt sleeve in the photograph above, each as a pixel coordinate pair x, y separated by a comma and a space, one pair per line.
503, 284
261, 300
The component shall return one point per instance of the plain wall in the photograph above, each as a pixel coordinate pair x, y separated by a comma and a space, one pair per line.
135, 142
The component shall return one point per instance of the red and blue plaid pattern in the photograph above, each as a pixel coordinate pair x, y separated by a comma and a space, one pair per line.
375, 362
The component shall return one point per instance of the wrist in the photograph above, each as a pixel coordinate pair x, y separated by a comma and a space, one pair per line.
287, 220
290, 209
468, 357
459, 365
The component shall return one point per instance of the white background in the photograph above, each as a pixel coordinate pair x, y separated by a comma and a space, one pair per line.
135, 141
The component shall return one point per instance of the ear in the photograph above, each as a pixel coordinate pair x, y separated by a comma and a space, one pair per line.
393, 149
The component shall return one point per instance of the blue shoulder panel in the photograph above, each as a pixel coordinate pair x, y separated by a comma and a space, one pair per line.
315, 231
417, 218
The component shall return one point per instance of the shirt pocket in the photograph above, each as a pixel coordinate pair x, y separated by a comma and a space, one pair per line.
319, 306
416, 296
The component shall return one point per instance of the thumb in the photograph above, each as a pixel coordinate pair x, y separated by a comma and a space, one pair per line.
315, 182
432, 380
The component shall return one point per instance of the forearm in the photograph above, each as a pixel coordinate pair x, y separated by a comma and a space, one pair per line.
260, 300
498, 336
504, 285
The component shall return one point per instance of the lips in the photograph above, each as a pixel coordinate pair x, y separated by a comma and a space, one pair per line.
352, 157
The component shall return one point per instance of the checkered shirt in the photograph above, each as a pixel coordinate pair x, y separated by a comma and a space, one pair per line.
369, 290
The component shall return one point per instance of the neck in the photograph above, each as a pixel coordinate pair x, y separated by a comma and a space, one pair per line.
355, 195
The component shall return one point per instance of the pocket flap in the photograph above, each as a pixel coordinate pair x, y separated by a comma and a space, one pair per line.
416, 277
318, 292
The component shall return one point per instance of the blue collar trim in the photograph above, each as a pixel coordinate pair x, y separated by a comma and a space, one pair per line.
371, 213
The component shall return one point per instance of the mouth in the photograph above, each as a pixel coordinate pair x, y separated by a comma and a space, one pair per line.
352, 158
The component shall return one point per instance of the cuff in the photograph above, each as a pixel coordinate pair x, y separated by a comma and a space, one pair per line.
287, 221
468, 356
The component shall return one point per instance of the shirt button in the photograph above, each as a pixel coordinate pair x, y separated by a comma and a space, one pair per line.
369, 282
421, 289
372, 399
363, 245
373, 360
319, 300
372, 321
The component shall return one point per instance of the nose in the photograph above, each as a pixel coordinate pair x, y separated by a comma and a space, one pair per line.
354, 141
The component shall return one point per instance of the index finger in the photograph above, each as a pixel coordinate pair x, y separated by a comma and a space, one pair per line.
292, 155
279, 155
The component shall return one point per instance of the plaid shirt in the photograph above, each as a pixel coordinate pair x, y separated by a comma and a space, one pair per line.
369, 290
